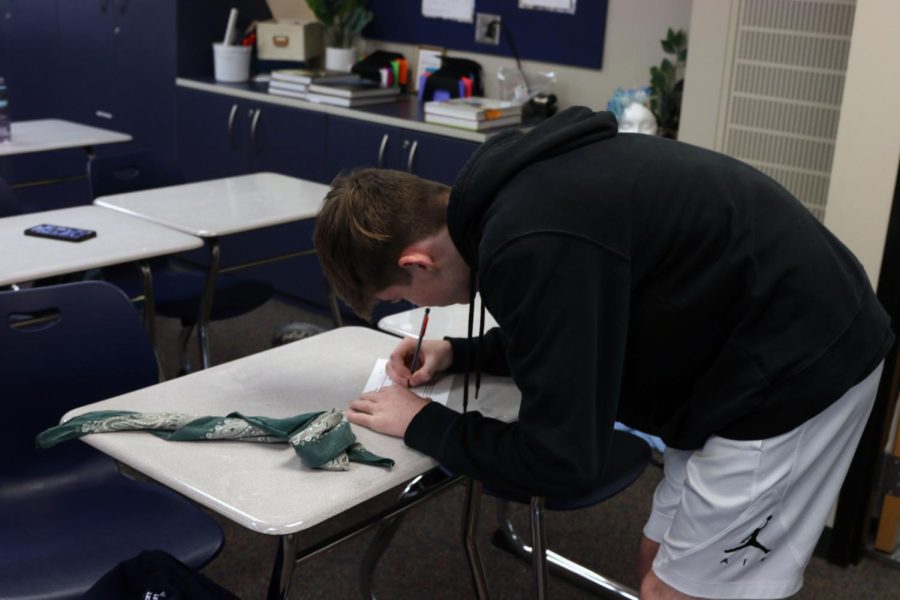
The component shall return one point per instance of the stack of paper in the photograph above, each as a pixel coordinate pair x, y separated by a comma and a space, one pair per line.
350, 92
295, 82
474, 113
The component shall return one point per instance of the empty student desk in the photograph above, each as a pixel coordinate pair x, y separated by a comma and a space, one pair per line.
120, 239
221, 207
443, 321
263, 486
53, 137
45, 135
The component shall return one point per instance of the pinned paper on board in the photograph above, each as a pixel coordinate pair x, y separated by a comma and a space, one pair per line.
454, 10
438, 391
563, 6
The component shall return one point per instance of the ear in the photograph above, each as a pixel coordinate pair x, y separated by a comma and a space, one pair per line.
416, 259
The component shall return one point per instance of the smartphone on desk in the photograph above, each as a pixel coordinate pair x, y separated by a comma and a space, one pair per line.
61, 232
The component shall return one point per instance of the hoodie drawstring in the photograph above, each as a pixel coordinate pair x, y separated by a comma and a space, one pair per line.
472, 285
478, 350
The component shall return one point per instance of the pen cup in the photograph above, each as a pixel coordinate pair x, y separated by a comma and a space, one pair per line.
231, 63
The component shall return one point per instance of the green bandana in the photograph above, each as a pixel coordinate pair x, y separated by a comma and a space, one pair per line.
322, 440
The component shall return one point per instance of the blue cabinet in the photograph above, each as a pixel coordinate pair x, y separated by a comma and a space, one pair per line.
117, 67
106, 63
28, 57
353, 144
210, 136
221, 136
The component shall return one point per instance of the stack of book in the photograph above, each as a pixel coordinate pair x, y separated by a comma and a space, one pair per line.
474, 113
295, 83
350, 92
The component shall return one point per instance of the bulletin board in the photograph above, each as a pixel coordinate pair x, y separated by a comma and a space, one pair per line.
553, 37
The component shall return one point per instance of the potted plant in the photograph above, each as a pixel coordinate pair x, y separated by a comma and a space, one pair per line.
343, 21
667, 83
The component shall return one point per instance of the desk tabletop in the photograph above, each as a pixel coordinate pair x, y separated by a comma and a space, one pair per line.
120, 239
264, 487
224, 206
443, 321
55, 134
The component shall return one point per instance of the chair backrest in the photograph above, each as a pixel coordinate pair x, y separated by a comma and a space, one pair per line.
9, 204
88, 345
130, 172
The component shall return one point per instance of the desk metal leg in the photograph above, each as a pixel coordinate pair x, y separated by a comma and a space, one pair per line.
287, 556
333, 305
283, 568
206, 302
149, 302
470, 530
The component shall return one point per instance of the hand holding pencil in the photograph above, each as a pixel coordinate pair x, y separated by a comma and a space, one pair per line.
417, 362
414, 363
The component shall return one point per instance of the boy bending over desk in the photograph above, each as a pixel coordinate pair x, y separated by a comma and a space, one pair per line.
635, 278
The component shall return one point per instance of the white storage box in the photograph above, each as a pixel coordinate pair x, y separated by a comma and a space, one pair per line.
288, 39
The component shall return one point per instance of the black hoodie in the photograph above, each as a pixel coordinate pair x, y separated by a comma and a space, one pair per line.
635, 278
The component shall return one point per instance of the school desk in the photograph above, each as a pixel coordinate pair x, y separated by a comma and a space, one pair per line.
263, 487
220, 207
44, 135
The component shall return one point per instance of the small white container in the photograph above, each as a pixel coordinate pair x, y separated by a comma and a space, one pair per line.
339, 59
231, 63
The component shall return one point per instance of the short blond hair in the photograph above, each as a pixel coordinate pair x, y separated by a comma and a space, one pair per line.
368, 218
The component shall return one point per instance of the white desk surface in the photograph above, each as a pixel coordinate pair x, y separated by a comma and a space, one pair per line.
120, 239
55, 134
264, 487
224, 206
443, 321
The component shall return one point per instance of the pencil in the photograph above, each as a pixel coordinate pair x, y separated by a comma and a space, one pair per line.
415, 359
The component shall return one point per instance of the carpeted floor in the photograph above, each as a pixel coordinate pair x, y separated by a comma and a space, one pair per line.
426, 558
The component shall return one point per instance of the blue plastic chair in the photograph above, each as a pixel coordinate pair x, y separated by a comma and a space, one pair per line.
177, 293
628, 456
67, 516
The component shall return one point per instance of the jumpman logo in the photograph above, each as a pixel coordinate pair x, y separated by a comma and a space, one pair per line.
751, 540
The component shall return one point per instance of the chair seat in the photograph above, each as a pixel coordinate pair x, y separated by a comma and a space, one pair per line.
177, 293
64, 542
627, 459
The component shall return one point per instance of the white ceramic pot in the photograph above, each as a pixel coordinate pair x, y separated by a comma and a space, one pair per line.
339, 59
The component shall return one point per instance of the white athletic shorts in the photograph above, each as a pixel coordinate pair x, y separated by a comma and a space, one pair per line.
740, 519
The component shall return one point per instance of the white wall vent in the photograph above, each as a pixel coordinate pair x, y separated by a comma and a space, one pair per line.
785, 80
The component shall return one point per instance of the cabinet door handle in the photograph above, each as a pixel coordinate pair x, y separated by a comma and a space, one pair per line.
411, 156
253, 124
230, 132
381, 149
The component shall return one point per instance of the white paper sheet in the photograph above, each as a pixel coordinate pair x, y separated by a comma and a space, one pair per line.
439, 391
566, 6
455, 10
